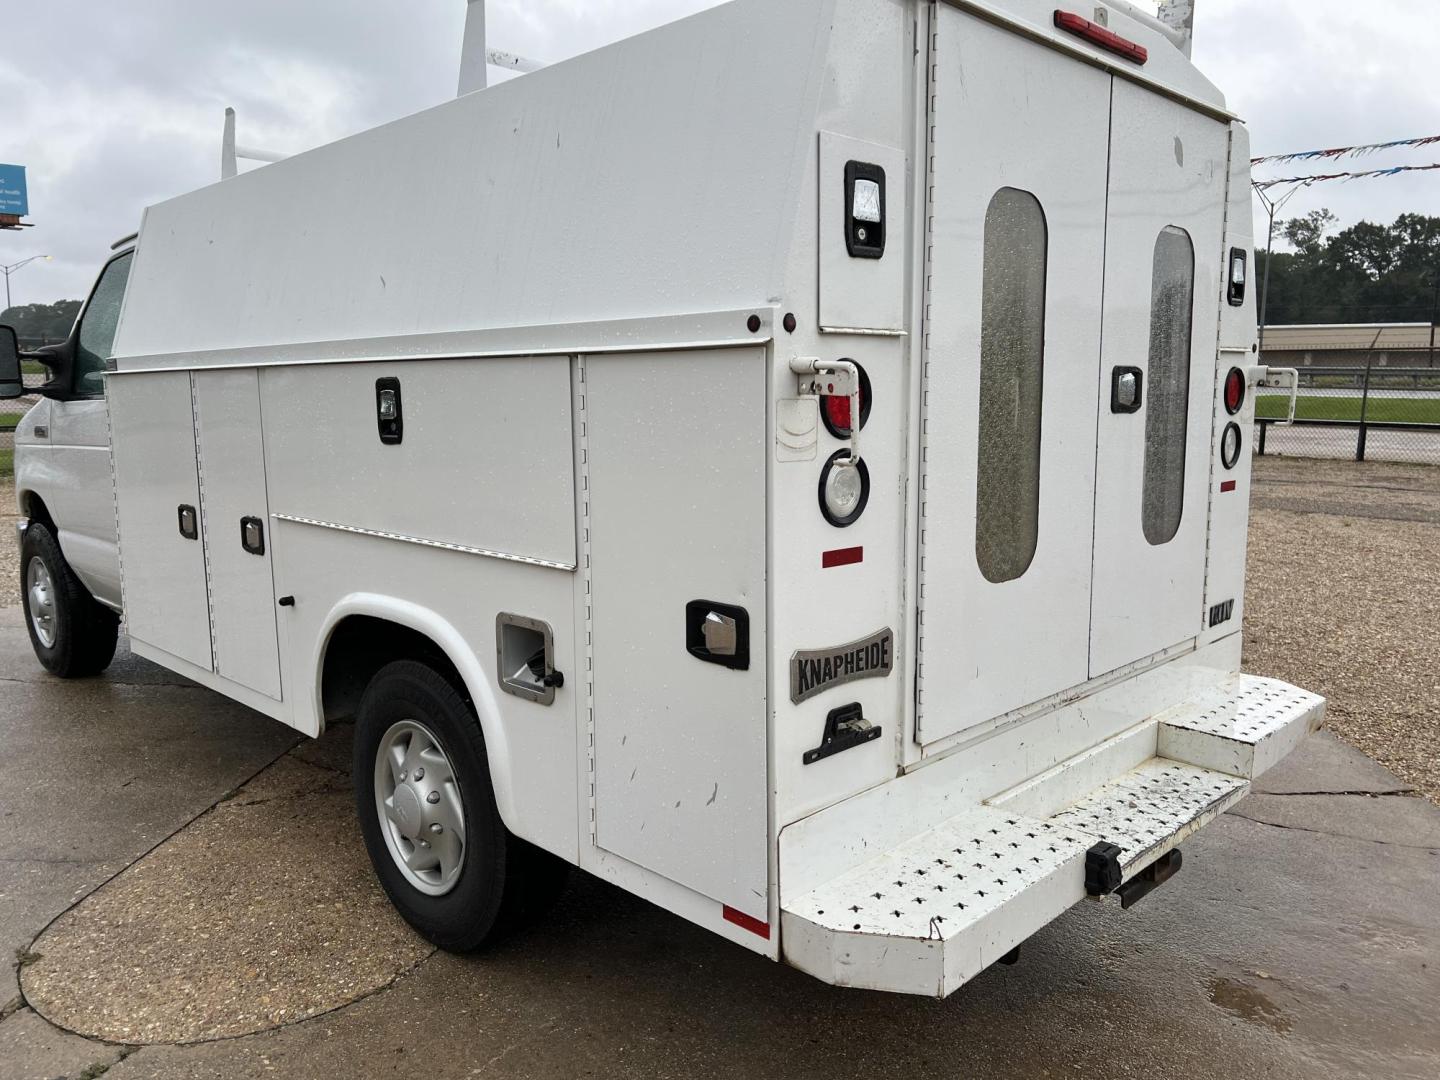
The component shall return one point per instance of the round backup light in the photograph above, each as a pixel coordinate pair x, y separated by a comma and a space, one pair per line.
835, 409
1234, 391
844, 490
1230, 444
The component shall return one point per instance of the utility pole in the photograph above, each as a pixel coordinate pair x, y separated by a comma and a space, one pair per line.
1434, 313
1272, 207
12, 267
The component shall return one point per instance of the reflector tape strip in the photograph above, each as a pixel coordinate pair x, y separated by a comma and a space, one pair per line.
842, 557
1098, 35
747, 922
1228, 485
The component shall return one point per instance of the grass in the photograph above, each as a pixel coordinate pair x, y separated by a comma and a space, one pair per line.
1380, 409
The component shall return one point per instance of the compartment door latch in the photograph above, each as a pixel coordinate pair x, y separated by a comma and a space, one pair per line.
718, 634
845, 729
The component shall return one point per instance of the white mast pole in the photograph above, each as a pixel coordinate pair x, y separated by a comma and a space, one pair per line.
1180, 15
473, 53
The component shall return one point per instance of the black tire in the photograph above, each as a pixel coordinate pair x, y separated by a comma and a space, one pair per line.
504, 882
84, 630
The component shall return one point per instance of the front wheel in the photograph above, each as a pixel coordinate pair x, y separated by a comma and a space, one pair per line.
72, 633
428, 815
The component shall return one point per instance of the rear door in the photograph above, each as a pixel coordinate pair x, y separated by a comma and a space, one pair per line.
1168, 175
1018, 260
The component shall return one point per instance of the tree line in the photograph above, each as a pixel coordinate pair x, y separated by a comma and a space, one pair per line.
1367, 273
41, 324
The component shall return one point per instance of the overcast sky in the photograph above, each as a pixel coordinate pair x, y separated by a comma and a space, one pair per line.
117, 105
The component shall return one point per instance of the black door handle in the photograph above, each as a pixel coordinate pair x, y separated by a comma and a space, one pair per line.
1127, 390
252, 535
718, 634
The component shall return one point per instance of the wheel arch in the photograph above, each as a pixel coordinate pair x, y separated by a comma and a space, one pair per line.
365, 631
32, 506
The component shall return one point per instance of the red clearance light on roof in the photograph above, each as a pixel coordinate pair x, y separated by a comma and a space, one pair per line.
1098, 35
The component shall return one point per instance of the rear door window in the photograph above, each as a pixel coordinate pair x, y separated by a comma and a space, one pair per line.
1012, 383
1172, 308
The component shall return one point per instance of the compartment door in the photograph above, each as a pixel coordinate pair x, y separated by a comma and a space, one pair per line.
1013, 357
162, 569
677, 449
1163, 267
237, 528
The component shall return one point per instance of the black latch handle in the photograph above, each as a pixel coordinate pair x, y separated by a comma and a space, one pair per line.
252, 535
845, 729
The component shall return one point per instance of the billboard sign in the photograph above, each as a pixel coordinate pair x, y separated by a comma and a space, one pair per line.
13, 197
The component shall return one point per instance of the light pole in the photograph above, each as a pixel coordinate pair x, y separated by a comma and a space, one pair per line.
1272, 207
12, 267
1434, 314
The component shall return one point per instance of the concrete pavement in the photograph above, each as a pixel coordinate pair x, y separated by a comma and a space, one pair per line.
1302, 938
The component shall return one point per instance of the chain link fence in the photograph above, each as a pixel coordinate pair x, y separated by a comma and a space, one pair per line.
11, 413
1365, 413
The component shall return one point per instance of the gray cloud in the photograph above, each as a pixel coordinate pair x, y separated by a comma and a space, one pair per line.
115, 106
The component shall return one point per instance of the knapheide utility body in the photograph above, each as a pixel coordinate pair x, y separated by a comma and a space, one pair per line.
550, 391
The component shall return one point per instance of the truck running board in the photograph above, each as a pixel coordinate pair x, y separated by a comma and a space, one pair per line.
936, 910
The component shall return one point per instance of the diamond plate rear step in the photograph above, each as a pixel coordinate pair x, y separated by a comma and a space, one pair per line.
1244, 726
1152, 809
934, 911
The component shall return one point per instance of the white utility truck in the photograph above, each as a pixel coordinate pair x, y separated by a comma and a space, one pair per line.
791, 464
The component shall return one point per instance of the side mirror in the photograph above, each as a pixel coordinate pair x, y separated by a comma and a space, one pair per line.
11, 384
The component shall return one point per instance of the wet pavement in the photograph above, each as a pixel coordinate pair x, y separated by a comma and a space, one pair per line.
1302, 938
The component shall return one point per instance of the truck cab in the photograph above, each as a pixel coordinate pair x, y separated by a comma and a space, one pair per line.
70, 572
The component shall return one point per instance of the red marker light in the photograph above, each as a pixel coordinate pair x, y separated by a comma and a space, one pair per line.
1099, 36
1234, 391
835, 409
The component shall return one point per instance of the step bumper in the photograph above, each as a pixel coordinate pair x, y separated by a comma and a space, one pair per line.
934, 911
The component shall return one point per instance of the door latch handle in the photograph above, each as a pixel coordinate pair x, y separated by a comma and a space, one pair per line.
718, 634
1127, 390
252, 535
833, 378
189, 522
845, 729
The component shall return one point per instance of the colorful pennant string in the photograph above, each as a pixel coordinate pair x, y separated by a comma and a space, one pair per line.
1346, 151
1306, 181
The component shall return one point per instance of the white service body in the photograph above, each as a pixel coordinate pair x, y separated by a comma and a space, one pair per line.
580, 280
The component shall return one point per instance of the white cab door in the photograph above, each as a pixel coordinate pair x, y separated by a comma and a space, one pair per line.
1168, 175
237, 528
80, 496
1012, 373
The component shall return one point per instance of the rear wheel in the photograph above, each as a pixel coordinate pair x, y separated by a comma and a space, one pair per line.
428, 815
72, 633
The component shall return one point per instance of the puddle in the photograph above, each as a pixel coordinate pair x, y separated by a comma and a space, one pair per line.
1249, 1004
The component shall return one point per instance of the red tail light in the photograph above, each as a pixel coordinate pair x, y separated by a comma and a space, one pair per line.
1098, 35
835, 409
1234, 391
